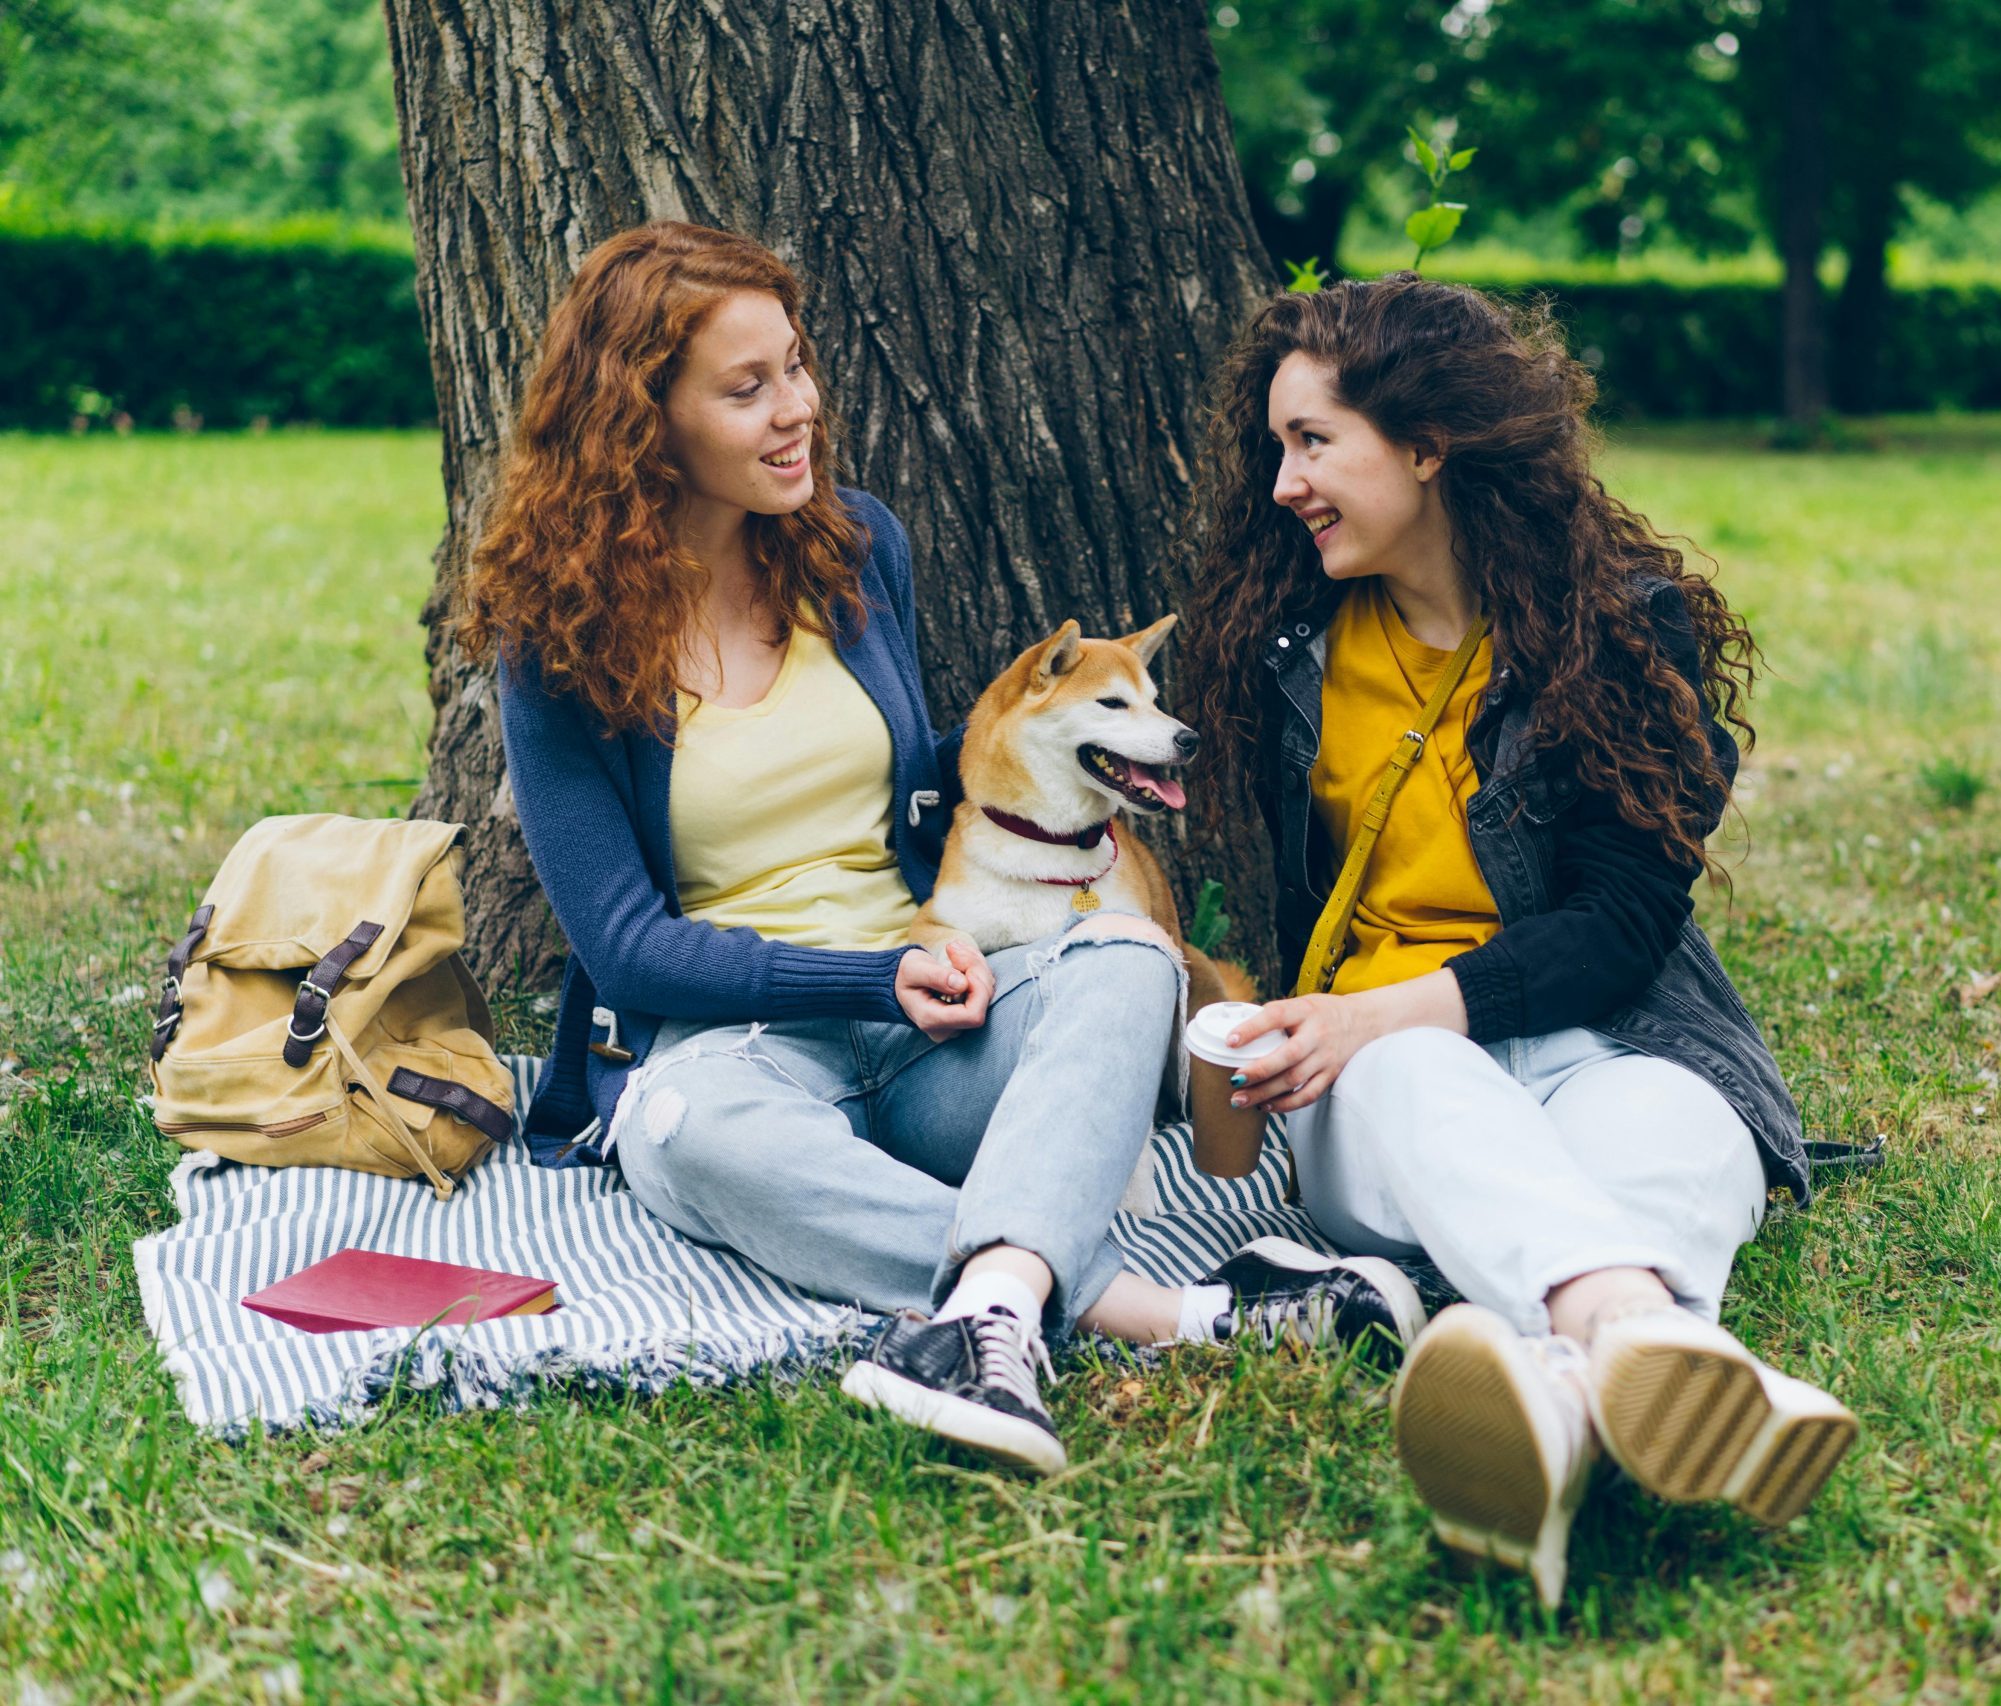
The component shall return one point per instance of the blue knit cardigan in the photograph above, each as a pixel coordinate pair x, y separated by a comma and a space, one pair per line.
593, 810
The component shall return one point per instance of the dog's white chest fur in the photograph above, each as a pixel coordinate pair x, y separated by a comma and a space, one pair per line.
1009, 889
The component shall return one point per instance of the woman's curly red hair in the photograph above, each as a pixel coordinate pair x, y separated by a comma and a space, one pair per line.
581, 561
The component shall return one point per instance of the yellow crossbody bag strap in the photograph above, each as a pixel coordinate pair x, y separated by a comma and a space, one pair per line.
1330, 935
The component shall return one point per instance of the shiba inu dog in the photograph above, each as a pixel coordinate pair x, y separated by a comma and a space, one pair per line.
1070, 736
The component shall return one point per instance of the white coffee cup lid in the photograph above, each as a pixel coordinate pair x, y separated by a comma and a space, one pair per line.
1206, 1031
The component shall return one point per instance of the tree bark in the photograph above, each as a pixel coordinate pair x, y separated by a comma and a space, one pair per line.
1803, 215
1026, 241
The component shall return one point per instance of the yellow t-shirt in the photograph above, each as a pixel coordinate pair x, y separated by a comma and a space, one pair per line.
1423, 899
780, 811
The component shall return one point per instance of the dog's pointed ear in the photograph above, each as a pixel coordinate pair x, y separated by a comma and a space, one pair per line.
1149, 640
1059, 654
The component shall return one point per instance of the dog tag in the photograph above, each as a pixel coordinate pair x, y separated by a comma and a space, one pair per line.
1084, 900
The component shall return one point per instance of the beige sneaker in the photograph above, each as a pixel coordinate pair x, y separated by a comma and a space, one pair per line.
1690, 1414
1495, 1431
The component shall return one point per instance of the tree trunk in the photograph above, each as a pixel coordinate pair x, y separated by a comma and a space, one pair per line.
1314, 233
1026, 242
1862, 311
1802, 216
1886, 73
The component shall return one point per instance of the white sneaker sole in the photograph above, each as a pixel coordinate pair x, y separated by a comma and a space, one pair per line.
1391, 1281
955, 1418
1480, 1436
1691, 1415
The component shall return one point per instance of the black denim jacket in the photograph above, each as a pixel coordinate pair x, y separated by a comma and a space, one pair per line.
1597, 923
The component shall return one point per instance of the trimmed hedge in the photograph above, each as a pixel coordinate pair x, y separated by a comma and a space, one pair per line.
306, 324
228, 327
1668, 351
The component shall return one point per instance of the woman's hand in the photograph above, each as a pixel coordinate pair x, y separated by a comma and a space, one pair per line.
1322, 1033
944, 997
1325, 1032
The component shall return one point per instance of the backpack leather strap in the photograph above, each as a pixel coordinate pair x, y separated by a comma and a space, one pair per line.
169, 1019
466, 1103
309, 1012
440, 1184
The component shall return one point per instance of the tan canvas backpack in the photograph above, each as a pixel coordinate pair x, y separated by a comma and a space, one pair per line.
318, 1013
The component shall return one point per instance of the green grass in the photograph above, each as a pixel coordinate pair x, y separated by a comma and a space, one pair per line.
196, 631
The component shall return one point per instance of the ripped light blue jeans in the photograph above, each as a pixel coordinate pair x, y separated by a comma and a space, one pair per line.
861, 1161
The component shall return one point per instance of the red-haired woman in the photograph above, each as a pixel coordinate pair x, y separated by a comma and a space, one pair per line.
678, 593
1512, 1049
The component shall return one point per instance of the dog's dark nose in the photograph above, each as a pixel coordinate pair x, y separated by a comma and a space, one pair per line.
1185, 743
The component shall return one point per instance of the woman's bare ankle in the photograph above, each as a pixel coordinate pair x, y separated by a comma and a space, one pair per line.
1135, 1309
1577, 1306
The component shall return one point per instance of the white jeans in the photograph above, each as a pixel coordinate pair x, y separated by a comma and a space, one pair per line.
1518, 1165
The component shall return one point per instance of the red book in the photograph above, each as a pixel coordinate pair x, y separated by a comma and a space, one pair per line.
354, 1290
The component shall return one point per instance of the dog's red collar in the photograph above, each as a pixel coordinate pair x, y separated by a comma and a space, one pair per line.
1085, 838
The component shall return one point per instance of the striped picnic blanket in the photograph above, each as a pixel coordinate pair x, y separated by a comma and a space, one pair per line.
642, 1307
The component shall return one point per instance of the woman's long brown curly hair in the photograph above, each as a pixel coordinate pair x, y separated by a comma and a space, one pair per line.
1562, 568
581, 560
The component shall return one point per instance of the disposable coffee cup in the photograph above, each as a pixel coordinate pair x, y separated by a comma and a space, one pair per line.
1227, 1140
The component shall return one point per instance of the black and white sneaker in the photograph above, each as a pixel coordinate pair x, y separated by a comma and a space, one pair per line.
1280, 1289
969, 1379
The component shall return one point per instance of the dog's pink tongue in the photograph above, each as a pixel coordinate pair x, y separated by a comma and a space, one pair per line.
1170, 793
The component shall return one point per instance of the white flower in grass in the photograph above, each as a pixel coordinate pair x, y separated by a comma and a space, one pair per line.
218, 1592
35, 1692
18, 1571
130, 996
1002, 1608
898, 1598
1258, 1608
283, 1683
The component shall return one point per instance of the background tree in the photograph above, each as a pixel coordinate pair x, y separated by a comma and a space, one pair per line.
1619, 115
200, 109
1909, 98
1320, 92
1027, 240
1623, 126
1801, 182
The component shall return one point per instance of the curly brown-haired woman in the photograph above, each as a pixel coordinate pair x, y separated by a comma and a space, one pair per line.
1514, 1052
